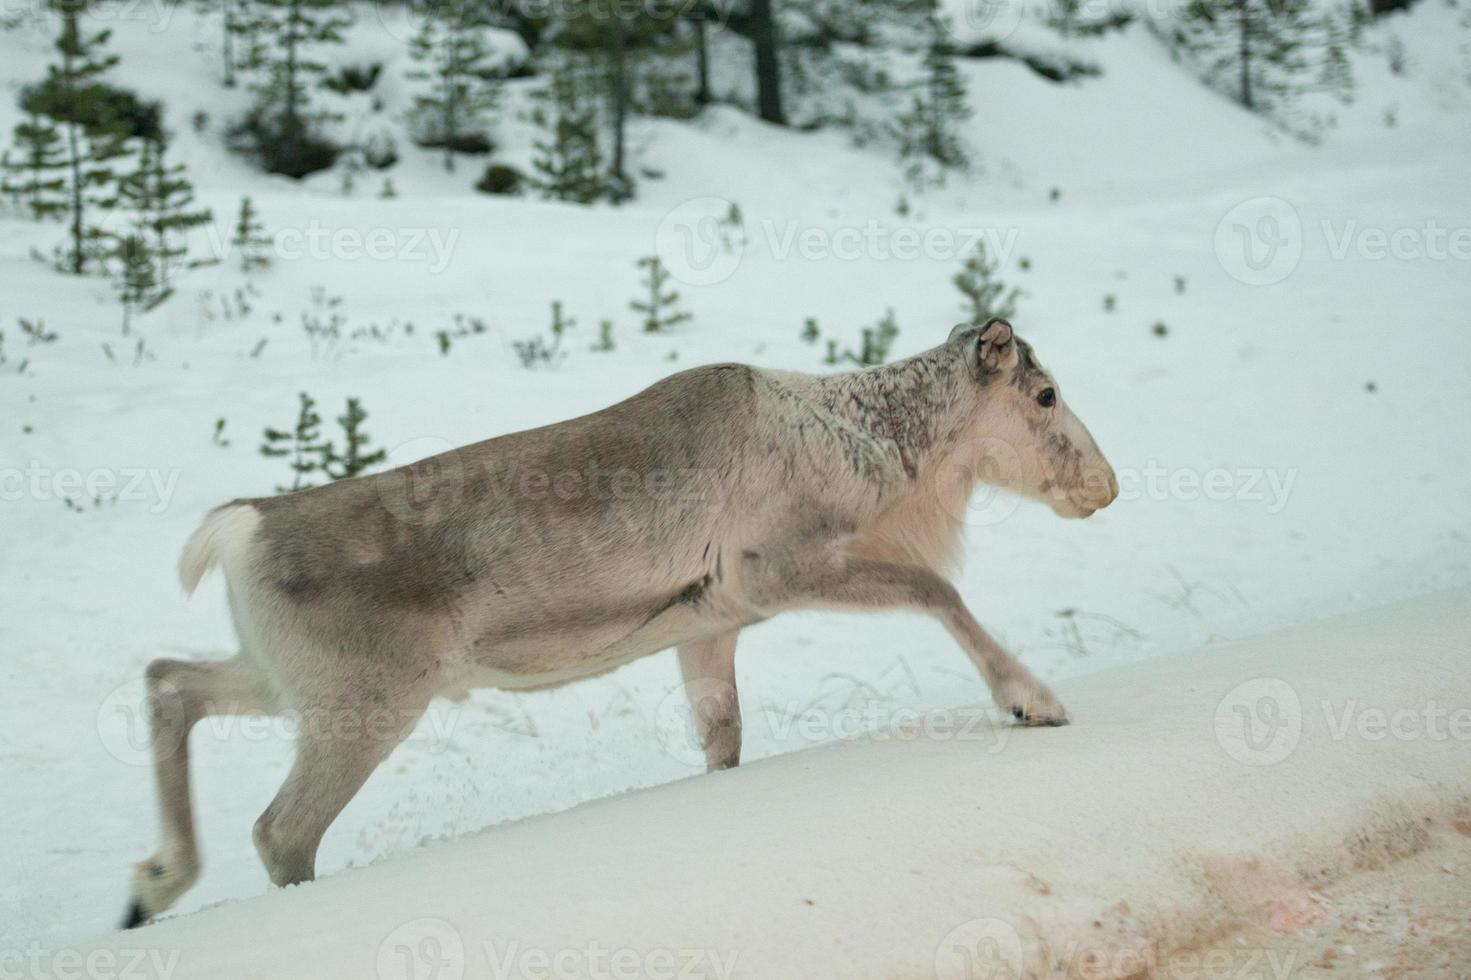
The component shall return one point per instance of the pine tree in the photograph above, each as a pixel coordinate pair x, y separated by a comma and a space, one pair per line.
161, 199
659, 311
137, 281
303, 444
1335, 75
569, 163
1250, 50
250, 238
355, 457
34, 175
929, 141
285, 34
453, 52
90, 148
986, 297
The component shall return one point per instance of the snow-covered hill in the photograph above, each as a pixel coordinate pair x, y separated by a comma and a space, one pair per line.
1292, 442
1213, 814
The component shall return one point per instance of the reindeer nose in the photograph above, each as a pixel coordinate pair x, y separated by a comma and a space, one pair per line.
1101, 487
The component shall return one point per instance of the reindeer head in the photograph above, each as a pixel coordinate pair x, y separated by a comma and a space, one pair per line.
1028, 441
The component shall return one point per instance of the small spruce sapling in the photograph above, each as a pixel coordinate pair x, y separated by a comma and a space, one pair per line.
986, 296
137, 280
355, 457
303, 445
660, 310
250, 238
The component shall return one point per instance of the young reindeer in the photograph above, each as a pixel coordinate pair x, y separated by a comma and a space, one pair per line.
715, 499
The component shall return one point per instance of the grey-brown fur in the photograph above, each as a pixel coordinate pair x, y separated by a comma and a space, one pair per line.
716, 498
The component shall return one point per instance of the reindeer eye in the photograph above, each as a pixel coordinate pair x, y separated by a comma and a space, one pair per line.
1047, 397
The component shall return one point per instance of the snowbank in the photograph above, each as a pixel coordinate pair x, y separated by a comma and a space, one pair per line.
1221, 786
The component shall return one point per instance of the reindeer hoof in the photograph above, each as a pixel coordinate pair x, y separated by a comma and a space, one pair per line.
135, 916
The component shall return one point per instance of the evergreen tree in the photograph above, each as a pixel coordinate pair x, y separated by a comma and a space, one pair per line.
986, 297
285, 35
161, 199
137, 281
1335, 76
34, 175
250, 238
355, 457
1250, 50
452, 51
929, 141
90, 147
569, 162
303, 445
659, 310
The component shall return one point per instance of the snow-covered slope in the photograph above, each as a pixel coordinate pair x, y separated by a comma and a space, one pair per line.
1295, 443
1196, 801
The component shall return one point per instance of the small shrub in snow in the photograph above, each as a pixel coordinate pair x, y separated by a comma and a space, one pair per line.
250, 238
874, 343
604, 343
810, 332
310, 454
35, 332
499, 178
986, 296
137, 281
535, 351
302, 445
660, 309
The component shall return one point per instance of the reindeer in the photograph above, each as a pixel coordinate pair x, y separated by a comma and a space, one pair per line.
713, 500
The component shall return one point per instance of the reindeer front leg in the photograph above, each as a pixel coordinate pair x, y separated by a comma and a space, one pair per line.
844, 582
708, 667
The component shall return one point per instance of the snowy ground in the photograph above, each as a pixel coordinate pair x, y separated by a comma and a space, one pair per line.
1232, 813
1295, 445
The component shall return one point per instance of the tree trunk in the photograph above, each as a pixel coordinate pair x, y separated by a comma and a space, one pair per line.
768, 68
1245, 25
74, 151
702, 61
229, 13
620, 100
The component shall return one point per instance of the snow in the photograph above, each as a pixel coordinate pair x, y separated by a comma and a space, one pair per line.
1227, 785
1264, 483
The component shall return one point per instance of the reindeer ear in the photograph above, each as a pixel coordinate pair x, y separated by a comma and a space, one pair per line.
993, 351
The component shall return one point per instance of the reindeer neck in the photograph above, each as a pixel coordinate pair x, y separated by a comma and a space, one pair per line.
915, 405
